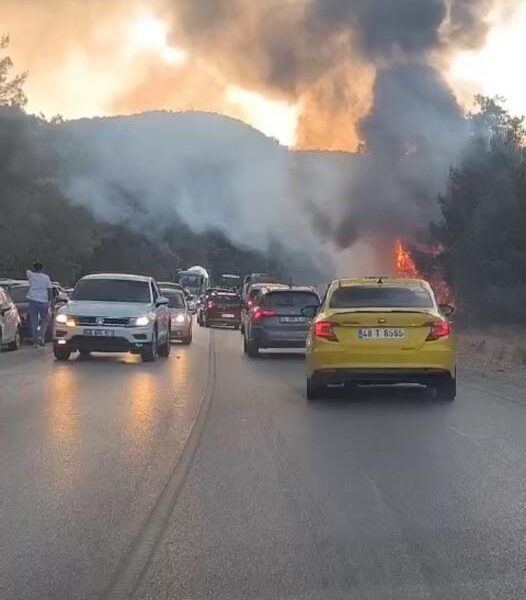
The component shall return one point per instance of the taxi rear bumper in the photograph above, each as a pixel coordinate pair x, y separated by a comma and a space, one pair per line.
426, 376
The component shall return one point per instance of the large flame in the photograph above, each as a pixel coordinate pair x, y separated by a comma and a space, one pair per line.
405, 267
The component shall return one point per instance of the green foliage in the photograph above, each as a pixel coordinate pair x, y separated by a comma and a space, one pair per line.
11, 88
483, 227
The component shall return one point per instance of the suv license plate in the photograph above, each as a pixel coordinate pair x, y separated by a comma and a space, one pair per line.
99, 332
227, 316
292, 319
381, 333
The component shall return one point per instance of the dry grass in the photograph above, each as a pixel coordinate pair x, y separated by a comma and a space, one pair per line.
498, 349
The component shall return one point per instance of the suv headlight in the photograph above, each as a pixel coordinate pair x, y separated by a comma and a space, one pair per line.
63, 319
178, 318
142, 321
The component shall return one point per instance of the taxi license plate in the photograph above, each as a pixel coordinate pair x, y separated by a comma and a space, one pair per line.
381, 333
227, 316
99, 332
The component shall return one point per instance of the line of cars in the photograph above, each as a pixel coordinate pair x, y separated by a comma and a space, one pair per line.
375, 330
365, 331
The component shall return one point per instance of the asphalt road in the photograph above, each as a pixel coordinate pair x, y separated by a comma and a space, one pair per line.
209, 476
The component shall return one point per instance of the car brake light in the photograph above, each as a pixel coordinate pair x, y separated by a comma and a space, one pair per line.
325, 330
439, 329
211, 304
263, 313
249, 303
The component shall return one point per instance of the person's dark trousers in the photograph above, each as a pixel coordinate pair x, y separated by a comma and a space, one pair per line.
38, 315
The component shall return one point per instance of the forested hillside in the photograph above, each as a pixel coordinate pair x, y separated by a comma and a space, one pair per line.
482, 233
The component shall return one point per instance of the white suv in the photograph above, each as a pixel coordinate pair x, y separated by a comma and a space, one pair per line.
110, 312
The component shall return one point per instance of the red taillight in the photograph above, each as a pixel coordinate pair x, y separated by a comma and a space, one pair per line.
211, 304
325, 330
249, 303
263, 313
439, 329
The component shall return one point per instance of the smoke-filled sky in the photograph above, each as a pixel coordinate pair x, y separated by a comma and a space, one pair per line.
300, 70
391, 77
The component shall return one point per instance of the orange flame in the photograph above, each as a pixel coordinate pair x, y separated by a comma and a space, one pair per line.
405, 265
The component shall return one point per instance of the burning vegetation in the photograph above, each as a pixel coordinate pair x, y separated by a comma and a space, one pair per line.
405, 266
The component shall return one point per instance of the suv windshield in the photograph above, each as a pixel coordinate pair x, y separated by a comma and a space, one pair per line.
386, 297
112, 290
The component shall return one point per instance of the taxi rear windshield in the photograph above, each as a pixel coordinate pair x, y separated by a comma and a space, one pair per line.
382, 296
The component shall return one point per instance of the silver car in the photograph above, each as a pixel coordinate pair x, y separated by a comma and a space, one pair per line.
180, 316
9, 323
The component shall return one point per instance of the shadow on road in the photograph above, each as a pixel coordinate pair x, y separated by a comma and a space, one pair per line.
109, 360
378, 396
273, 355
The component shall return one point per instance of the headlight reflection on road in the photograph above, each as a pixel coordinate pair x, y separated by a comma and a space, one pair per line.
143, 391
64, 427
186, 382
179, 367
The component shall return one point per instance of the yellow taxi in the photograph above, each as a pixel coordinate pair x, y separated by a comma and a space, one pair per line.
380, 330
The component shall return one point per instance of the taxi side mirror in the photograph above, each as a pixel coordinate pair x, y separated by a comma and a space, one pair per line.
446, 309
310, 311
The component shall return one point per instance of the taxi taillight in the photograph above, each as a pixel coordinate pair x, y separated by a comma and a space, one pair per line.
325, 330
439, 329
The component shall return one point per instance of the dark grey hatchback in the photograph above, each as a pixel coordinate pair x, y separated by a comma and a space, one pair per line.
276, 319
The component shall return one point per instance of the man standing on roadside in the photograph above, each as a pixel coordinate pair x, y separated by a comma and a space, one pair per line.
39, 298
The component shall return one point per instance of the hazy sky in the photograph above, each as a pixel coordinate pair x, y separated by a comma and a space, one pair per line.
102, 57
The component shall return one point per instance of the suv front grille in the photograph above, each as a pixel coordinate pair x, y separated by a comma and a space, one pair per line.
103, 321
